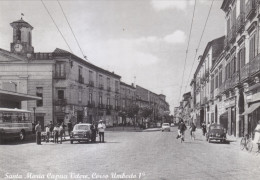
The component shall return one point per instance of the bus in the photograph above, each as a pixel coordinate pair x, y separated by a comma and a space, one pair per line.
15, 123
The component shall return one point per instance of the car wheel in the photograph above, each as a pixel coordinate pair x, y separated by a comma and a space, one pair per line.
22, 135
71, 142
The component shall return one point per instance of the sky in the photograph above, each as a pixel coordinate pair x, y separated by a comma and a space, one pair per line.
143, 41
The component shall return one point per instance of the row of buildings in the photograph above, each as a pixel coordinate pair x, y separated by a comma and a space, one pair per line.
72, 88
225, 87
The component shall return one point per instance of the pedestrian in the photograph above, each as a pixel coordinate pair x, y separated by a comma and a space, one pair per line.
257, 133
56, 133
38, 130
93, 132
204, 128
51, 130
192, 130
69, 127
47, 130
101, 130
62, 133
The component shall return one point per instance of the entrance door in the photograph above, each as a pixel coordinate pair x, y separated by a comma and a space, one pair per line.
224, 120
233, 121
201, 116
41, 119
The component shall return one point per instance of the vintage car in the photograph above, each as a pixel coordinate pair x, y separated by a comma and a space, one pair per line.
216, 132
81, 132
166, 127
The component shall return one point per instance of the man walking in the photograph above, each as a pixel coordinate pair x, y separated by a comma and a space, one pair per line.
101, 130
93, 132
38, 130
69, 127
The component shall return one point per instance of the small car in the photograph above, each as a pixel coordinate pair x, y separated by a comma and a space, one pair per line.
166, 127
216, 132
81, 132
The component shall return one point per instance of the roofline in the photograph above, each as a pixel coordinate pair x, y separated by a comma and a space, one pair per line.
85, 62
124, 84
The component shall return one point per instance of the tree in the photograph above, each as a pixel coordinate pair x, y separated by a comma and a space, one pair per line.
146, 112
132, 112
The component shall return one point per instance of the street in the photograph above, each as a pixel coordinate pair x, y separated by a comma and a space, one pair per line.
130, 155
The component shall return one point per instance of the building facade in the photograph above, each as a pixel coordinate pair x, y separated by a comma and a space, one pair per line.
70, 88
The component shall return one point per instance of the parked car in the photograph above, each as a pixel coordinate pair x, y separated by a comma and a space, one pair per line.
81, 132
166, 127
216, 132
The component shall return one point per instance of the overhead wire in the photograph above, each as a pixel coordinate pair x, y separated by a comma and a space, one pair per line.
72, 30
200, 40
56, 25
187, 49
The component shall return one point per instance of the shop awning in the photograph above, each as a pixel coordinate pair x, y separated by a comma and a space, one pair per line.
251, 108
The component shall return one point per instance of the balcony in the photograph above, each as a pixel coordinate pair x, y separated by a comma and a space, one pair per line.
254, 66
117, 90
250, 9
60, 102
91, 84
101, 106
244, 72
108, 89
91, 104
59, 76
232, 34
101, 86
204, 100
81, 80
117, 108
240, 22
221, 88
109, 107
234, 79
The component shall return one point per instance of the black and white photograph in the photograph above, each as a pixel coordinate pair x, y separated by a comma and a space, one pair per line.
130, 89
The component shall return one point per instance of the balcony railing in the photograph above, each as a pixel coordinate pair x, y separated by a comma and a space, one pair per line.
81, 80
234, 79
254, 65
221, 88
59, 76
244, 72
250, 9
240, 22
60, 102
91, 104
109, 107
101, 86
91, 83
117, 90
108, 89
101, 106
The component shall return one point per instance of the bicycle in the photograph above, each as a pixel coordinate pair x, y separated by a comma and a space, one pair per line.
246, 143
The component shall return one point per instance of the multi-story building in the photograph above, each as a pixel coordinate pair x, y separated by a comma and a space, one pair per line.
128, 99
70, 87
201, 82
241, 86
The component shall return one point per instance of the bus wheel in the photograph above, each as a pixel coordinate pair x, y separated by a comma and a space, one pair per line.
22, 135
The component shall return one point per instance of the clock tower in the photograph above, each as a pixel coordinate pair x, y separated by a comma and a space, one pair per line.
22, 38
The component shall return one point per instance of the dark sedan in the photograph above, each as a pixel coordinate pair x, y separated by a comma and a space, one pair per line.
216, 132
81, 132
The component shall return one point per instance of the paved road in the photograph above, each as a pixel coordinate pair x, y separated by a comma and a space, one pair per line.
150, 155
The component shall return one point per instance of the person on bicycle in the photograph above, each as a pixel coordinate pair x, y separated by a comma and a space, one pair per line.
192, 130
181, 129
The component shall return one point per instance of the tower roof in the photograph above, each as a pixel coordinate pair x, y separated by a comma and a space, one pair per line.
20, 23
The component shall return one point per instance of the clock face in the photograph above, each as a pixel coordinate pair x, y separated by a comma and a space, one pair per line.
18, 47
